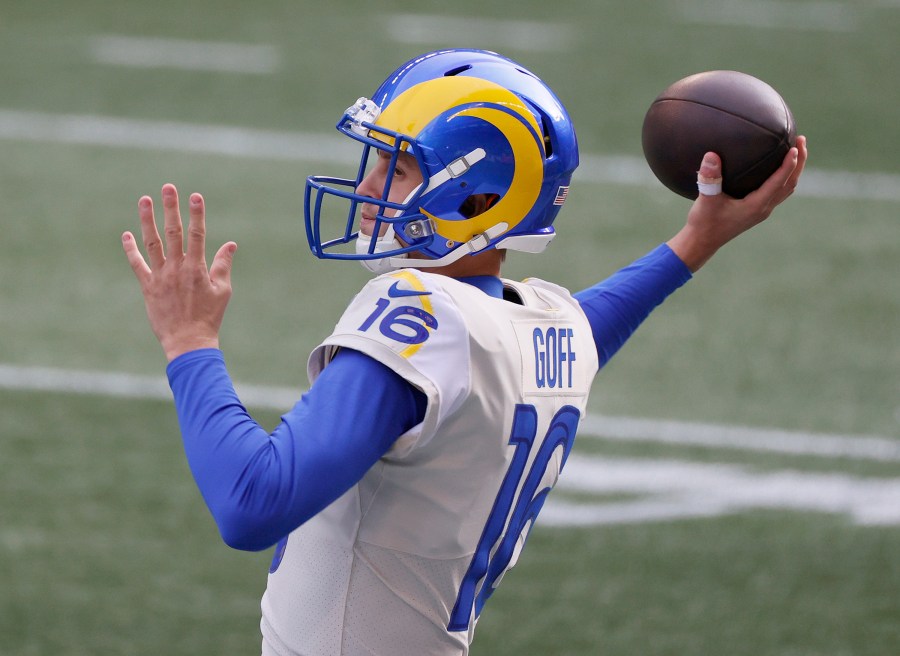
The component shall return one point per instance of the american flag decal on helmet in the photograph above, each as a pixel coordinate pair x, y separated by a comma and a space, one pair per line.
561, 194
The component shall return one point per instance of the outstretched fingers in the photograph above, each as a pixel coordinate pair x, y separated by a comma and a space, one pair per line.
220, 270
135, 259
196, 239
150, 234
194, 255
172, 222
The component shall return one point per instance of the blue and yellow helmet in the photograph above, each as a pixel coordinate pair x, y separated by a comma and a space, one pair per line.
476, 123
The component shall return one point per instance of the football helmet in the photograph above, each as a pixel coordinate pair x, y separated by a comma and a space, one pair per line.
476, 123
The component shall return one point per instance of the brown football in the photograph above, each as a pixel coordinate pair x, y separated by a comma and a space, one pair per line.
739, 117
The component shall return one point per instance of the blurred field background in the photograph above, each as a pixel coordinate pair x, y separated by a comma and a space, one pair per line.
790, 336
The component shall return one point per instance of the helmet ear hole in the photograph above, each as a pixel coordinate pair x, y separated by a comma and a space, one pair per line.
477, 204
548, 145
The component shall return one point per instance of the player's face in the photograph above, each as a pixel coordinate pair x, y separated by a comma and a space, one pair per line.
407, 177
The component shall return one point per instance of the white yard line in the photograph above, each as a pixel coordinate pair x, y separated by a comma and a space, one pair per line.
685, 433
140, 52
131, 386
122, 385
232, 141
809, 15
661, 490
519, 35
174, 136
665, 490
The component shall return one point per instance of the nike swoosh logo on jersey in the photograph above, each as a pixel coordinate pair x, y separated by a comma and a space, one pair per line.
396, 292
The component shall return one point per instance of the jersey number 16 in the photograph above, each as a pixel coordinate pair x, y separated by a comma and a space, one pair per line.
514, 512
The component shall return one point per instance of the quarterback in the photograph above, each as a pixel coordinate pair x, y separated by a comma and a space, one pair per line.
402, 486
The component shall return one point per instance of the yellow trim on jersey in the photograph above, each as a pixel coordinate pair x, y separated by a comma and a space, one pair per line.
417, 285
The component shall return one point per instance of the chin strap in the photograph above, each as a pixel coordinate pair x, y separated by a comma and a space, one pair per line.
475, 245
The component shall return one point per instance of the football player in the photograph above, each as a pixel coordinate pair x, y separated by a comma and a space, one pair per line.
402, 486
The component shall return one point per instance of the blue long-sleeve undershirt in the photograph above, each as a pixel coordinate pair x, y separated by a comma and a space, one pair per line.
616, 306
260, 486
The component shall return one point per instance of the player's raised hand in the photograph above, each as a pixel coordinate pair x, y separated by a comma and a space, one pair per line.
716, 218
185, 301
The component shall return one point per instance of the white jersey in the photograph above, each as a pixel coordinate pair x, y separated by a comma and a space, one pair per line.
402, 562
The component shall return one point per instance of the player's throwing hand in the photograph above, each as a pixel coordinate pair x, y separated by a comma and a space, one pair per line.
716, 219
185, 301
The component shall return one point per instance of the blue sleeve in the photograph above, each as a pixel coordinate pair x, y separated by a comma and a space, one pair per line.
260, 486
616, 306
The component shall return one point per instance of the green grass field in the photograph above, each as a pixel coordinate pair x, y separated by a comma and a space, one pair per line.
105, 545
